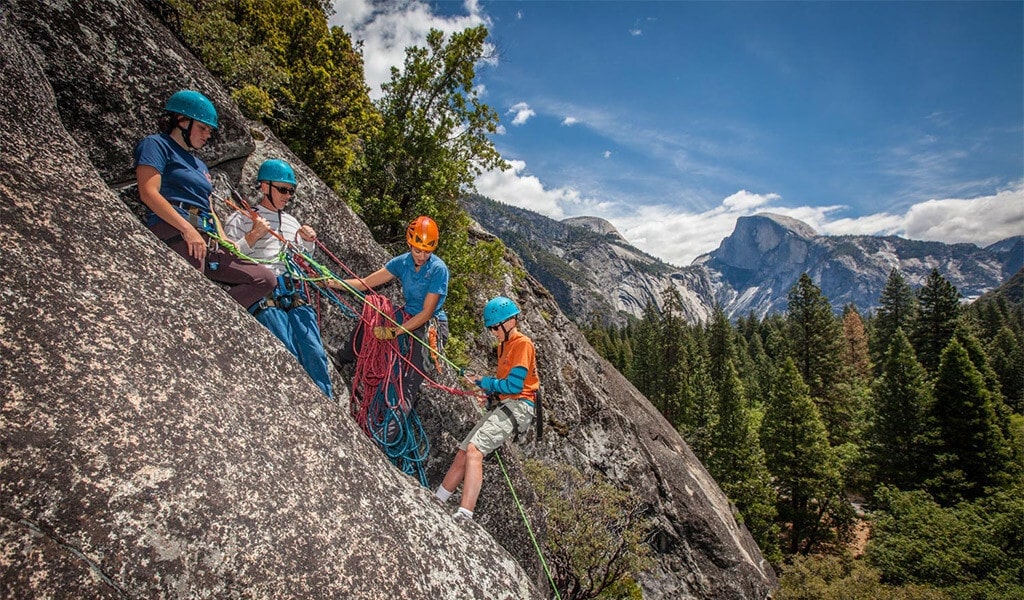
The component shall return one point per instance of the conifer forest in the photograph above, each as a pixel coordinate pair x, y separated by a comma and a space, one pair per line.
866, 453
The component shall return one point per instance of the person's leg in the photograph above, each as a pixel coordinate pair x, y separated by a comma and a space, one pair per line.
413, 376
172, 237
276, 320
249, 282
455, 473
306, 337
473, 479
350, 351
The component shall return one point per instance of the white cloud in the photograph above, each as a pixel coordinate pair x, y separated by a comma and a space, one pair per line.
981, 221
388, 28
636, 32
607, 154
526, 191
744, 200
522, 112
570, 121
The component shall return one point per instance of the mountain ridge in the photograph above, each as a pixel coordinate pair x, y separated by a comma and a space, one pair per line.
600, 277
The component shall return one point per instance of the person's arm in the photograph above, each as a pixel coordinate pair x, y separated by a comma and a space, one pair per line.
373, 280
149, 180
513, 384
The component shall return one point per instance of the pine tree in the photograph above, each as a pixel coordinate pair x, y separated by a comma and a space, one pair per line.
675, 366
897, 309
900, 404
737, 462
802, 463
970, 449
720, 344
758, 381
936, 321
855, 353
815, 343
702, 394
1008, 362
647, 360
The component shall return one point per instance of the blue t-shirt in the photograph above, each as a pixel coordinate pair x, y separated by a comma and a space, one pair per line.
432, 278
184, 178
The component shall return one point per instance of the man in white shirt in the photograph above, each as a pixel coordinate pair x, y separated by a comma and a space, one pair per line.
261, 236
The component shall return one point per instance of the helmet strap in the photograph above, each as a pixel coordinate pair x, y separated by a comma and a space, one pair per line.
269, 197
186, 132
505, 331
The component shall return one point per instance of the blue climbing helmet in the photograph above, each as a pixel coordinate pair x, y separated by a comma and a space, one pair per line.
275, 169
498, 310
193, 105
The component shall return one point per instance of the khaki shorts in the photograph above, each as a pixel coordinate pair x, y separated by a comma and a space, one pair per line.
495, 427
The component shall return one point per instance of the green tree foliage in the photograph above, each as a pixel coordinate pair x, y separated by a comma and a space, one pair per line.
936, 321
896, 440
803, 465
672, 391
971, 452
647, 360
815, 343
434, 136
737, 462
897, 309
830, 577
596, 534
284, 66
972, 550
1007, 354
702, 405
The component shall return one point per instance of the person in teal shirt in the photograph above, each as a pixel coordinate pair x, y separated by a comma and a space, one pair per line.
424, 278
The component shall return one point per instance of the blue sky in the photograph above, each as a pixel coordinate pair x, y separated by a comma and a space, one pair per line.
673, 119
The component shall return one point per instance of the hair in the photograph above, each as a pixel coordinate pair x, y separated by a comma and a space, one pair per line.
167, 121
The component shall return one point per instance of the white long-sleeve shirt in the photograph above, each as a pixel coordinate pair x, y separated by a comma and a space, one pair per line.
267, 247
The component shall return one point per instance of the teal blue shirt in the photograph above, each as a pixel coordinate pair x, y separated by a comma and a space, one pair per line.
432, 278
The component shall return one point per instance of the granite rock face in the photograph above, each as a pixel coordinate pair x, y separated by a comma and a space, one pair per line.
765, 255
157, 442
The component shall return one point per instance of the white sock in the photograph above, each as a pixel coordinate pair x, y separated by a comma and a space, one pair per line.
442, 494
465, 511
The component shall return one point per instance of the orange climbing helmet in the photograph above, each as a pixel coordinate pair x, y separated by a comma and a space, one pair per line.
422, 234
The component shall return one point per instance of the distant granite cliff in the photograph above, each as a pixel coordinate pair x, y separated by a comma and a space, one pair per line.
596, 275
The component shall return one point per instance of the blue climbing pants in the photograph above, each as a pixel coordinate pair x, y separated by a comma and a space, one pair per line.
300, 332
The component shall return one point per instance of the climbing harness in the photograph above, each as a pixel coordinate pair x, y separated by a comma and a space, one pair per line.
493, 399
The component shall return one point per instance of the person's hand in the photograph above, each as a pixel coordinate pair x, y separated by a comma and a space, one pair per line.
385, 333
195, 243
260, 227
307, 233
471, 378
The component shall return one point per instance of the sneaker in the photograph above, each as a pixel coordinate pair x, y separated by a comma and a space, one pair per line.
461, 517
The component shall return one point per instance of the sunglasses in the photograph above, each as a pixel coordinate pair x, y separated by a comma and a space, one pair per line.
284, 190
497, 327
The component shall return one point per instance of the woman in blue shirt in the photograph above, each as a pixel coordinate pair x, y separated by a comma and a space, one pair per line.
424, 278
175, 185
